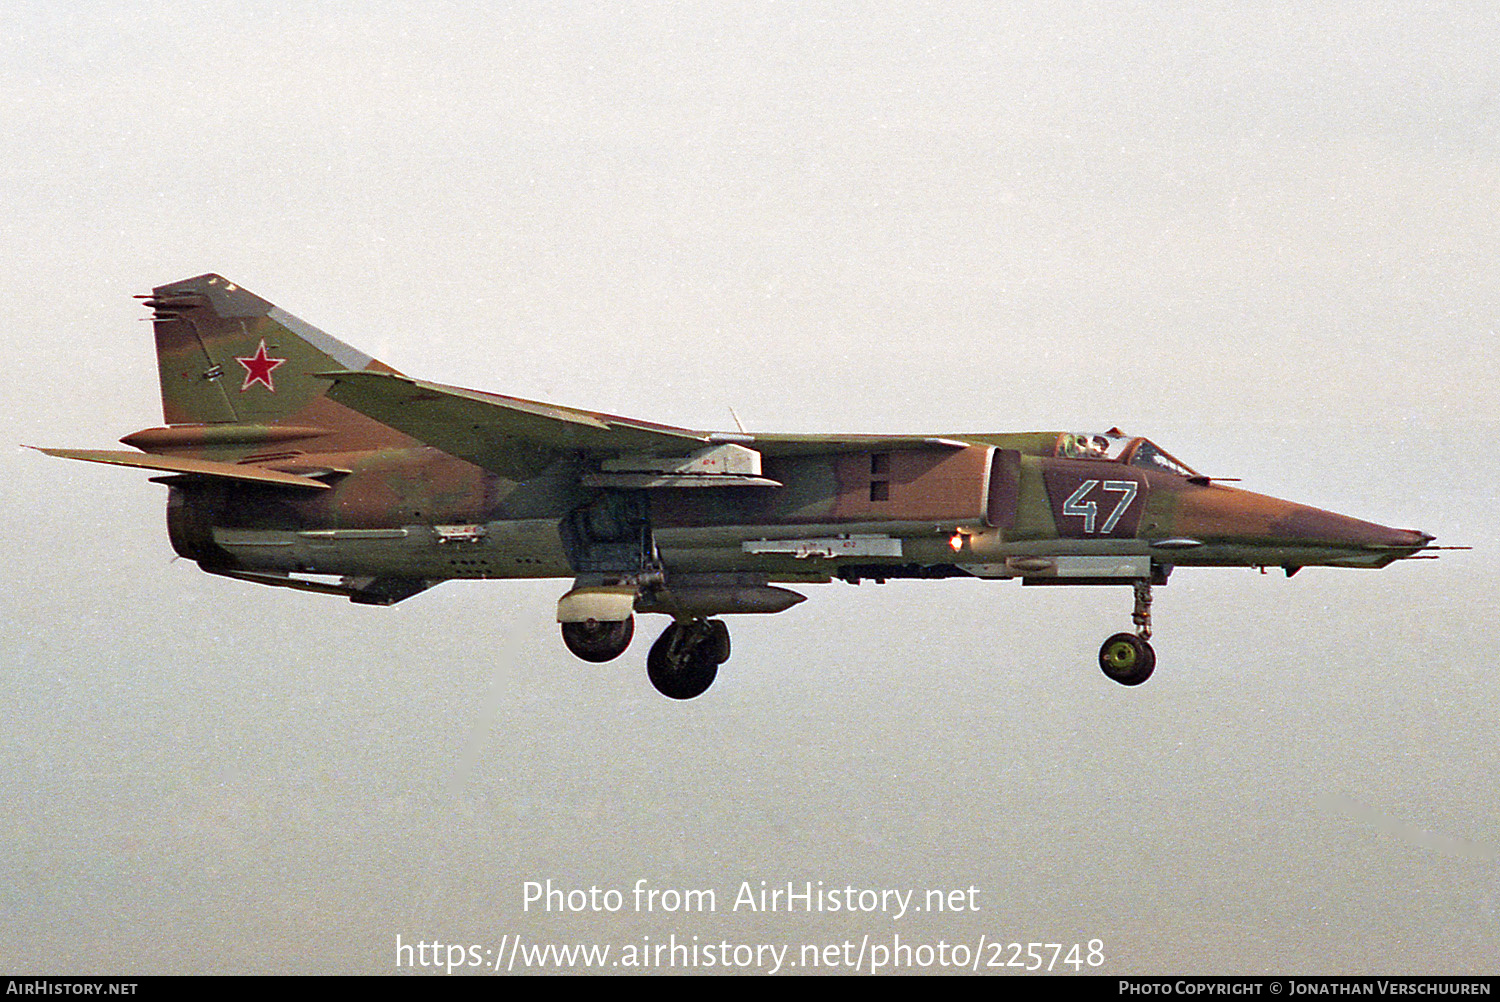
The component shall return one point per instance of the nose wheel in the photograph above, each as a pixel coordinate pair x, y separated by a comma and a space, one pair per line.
1128, 658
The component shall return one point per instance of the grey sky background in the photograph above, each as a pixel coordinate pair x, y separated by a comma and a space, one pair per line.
1264, 235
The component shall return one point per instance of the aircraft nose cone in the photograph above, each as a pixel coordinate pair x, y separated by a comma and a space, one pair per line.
1258, 528
1313, 525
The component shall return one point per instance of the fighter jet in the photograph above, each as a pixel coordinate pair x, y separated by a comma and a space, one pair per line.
294, 460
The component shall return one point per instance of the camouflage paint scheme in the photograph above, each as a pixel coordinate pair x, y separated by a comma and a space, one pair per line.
292, 459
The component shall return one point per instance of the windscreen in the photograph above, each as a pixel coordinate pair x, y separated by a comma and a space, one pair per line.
1116, 447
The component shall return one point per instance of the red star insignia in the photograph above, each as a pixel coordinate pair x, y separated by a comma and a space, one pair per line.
258, 367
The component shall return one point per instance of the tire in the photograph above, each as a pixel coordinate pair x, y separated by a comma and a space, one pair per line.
1127, 659
598, 642
717, 641
681, 664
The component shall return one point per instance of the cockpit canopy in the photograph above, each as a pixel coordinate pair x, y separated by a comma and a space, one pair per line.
1116, 447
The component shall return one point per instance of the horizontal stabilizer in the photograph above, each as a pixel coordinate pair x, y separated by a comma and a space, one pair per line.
176, 464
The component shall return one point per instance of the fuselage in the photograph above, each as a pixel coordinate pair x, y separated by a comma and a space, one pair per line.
996, 506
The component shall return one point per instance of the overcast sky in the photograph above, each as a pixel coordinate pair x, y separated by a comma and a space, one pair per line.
1264, 235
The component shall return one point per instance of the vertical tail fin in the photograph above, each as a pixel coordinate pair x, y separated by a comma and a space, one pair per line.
225, 355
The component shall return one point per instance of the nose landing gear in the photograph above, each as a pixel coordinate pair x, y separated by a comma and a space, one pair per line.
1128, 658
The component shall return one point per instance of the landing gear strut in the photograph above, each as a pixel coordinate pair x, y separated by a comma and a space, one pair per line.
685, 659
1141, 617
1129, 658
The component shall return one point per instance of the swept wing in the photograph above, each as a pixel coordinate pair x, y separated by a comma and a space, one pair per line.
483, 427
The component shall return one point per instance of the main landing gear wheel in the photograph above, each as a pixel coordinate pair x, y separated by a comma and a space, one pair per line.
685, 659
1127, 658
598, 642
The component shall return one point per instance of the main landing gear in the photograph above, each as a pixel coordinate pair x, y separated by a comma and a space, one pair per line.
683, 662
598, 642
685, 659
1128, 657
